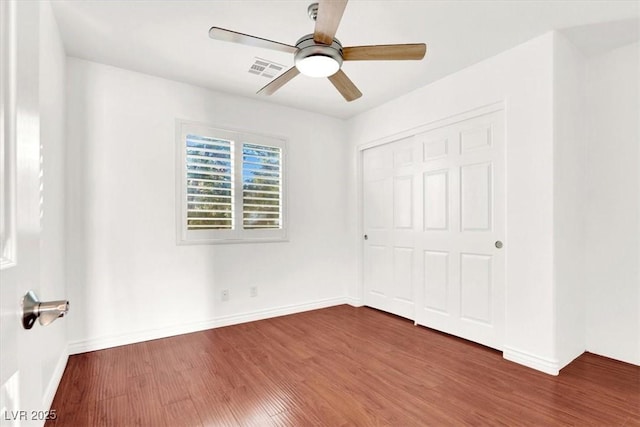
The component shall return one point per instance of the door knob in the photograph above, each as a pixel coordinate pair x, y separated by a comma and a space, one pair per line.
366, 237
498, 244
45, 312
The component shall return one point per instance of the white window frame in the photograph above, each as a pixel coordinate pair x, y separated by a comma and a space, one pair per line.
238, 234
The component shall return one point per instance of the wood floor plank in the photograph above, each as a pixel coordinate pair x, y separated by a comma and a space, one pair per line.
172, 386
111, 412
294, 419
182, 413
143, 388
337, 366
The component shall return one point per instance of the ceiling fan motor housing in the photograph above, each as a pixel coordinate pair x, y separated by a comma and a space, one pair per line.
318, 60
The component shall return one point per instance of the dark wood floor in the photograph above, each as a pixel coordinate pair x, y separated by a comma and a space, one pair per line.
334, 367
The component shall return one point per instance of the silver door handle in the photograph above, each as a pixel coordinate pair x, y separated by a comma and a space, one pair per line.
499, 244
46, 312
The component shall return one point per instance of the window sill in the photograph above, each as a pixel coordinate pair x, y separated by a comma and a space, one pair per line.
182, 242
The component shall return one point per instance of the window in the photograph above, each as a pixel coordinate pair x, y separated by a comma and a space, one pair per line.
231, 186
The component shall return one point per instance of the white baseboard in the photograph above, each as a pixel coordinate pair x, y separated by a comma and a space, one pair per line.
548, 366
100, 343
52, 387
566, 360
354, 302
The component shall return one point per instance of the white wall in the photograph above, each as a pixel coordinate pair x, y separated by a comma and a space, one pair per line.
52, 244
613, 212
523, 78
131, 279
569, 198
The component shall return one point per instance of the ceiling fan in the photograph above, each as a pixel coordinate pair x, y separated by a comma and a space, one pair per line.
320, 54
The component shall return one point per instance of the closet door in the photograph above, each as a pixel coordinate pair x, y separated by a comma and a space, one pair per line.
460, 259
389, 195
434, 228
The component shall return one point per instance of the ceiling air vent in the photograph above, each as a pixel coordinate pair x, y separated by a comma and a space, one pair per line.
265, 68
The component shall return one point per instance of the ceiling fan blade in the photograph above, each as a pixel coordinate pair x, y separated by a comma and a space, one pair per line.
247, 40
280, 81
329, 16
345, 86
389, 52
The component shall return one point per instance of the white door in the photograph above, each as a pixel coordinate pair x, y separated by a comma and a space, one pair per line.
21, 393
463, 220
433, 212
388, 198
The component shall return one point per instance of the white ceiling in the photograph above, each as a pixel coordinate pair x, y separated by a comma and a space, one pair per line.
170, 39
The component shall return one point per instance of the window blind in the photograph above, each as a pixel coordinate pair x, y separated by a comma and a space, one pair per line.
261, 186
210, 192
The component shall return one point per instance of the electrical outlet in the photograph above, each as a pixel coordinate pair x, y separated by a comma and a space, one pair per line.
253, 291
224, 295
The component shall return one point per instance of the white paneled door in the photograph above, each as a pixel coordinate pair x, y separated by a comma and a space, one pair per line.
389, 255
22, 354
434, 219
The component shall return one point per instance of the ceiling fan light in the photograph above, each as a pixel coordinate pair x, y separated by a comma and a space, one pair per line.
317, 66
318, 60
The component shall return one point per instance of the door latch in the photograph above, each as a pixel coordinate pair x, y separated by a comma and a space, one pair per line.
45, 312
